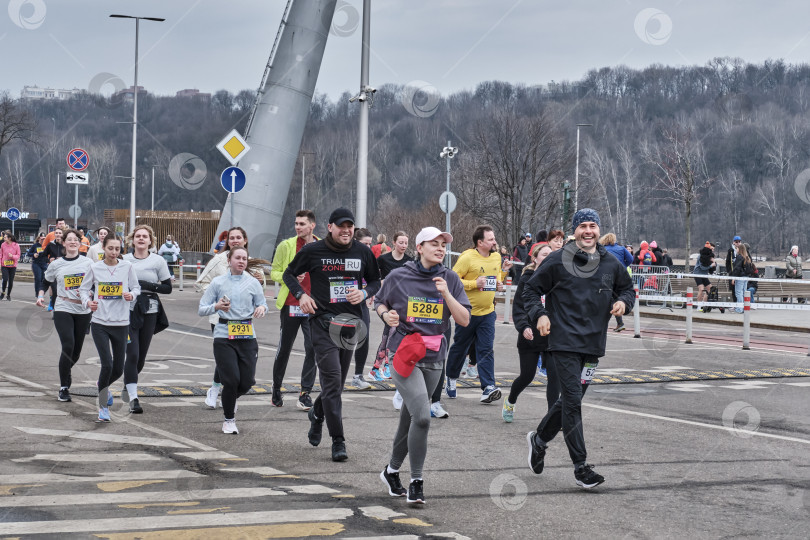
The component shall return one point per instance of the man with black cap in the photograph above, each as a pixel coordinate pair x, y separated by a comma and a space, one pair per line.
730, 256
337, 266
584, 285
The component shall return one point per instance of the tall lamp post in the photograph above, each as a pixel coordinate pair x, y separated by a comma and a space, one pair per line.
448, 152
576, 174
134, 116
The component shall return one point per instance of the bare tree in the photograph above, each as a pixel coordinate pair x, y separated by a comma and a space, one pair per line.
511, 176
17, 123
680, 170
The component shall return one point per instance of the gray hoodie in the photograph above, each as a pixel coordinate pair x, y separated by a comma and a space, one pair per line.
107, 285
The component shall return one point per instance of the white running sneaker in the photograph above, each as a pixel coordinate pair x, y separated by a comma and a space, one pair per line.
229, 427
359, 382
397, 400
472, 372
211, 397
437, 411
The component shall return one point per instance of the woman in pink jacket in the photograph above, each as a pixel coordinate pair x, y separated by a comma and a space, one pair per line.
9, 255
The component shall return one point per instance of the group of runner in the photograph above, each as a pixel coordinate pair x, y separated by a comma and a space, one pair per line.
564, 301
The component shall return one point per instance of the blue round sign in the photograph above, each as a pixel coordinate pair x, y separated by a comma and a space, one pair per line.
13, 214
233, 179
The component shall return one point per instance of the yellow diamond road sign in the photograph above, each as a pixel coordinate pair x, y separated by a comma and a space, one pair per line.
233, 147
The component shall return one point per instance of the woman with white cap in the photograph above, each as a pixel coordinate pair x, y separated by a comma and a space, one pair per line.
793, 265
417, 302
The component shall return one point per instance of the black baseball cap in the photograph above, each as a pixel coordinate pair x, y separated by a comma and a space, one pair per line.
341, 215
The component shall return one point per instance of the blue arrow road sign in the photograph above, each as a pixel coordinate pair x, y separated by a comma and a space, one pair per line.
13, 214
232, 179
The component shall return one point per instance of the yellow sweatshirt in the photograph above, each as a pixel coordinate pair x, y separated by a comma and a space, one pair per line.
469, 266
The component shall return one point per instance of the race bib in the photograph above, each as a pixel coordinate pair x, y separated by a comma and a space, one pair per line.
39, 250
338, 290
9, 262
425, 310
240, 329
110, 290
101, 256
73, 281
587, 372
490, 283
295, 311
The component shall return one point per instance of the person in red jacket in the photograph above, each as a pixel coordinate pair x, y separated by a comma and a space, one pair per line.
645, 256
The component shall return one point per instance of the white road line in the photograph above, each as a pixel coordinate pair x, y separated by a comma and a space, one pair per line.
256, 470
798, 383
22, 381
206, 455
174, 403
118, 476
90, 457
309, 489
14, 392
139, 497
192, 334
96, 436
175, 521
35, 412
380, 512
733, 431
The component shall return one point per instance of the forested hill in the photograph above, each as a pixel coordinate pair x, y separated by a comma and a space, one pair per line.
726, 141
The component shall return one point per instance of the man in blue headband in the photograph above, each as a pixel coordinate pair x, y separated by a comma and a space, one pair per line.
584, 285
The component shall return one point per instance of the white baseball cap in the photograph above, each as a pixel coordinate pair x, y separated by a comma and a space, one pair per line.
431, 233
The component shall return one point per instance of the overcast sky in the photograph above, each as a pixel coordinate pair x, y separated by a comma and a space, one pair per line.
451, 44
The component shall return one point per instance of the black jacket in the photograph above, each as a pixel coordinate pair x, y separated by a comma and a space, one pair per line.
521, 319
580, 290
521, 253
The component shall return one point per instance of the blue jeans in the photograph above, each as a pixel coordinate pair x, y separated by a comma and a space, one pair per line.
39, 274
740, 286
481, 330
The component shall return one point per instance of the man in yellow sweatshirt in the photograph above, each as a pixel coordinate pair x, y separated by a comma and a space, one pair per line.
482, 273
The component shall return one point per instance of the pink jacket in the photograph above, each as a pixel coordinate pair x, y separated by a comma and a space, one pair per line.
9, 252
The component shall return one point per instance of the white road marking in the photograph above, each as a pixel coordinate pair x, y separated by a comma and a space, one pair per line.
14, 392
118, 476
379, 512
309, 489
192, 334
96, 436
138, 497
89, 457
747, 385
687, 387
174, 403
35, 412
256, 470
798, 383
22, 381
699, 424
175, 521
206, 455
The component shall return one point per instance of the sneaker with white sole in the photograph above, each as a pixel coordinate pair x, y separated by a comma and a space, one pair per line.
397, 400
416, 493
386, 371
211, 397
304, 401
64, 394
490, 394
229, 427
508, 412
437, 411
472, 372
375, 375
391, 480
586, 477
450, 388
359, 382
537, 453
104, 414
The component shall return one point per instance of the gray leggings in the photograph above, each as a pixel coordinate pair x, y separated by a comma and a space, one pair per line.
414, 418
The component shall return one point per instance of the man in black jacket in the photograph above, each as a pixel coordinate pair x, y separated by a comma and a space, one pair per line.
584, 285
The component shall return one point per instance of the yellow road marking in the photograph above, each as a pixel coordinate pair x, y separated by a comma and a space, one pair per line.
7, 489
128, 484
344, 496
412, 521
147, 505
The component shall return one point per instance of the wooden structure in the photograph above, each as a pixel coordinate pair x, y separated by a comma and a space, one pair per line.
193, 231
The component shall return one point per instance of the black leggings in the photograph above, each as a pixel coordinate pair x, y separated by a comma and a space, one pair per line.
216, 372
112, 364
236, 365
361, 352
528, 369
8, 277
71, 327
138, 346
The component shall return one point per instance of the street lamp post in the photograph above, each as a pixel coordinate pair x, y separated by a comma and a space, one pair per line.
449, 153
135, 116
576, 174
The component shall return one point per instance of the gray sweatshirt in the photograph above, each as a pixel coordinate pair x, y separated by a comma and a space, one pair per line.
245, 293
107, 284
68, 274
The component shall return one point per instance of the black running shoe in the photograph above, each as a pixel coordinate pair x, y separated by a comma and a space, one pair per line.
537, 453
586, 478
64, 395
395, 488
135, 407
416, 494
276, 398
315, 428
304, 401
339, 449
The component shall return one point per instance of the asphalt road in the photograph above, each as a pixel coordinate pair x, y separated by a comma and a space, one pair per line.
709, 453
